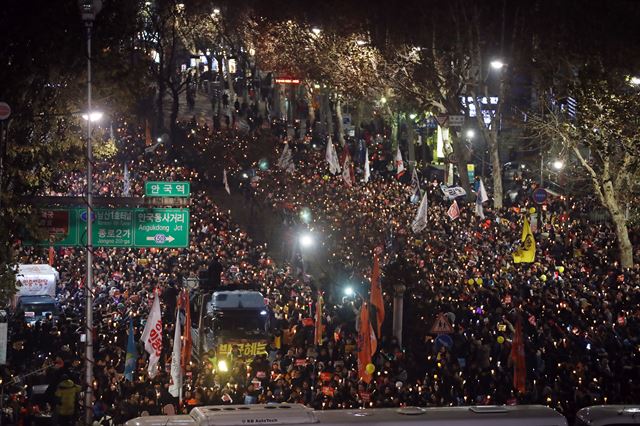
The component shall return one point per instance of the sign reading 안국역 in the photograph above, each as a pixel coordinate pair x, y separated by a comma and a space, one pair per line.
117, 227
167, 189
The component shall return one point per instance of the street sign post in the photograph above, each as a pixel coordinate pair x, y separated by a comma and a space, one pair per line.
540, 195
456, 120
167, 189
117, 227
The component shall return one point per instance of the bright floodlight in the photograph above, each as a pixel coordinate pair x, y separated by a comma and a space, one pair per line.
306, 240
361, 42
316, 30
635, 81
470, 133
558, 164
348, 291
93, 116
497, 64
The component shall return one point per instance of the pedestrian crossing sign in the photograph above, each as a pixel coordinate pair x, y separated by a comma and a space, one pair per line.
441, 325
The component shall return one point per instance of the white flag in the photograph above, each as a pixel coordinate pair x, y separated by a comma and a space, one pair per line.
127, 182
332, 157
421, 219
285, 161
152, 336
399, 164
481, 197
416, 193
225, 182
346, 171
176, 369
367, 168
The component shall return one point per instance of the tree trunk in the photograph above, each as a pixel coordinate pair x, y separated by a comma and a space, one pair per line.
357, 120
162, 91
496, 173
328, 114
232, 93
175, 107
339, 122
460, 152
311, 116
619, 224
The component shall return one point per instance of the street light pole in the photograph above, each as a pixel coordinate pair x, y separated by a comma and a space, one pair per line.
88, 403
88, 10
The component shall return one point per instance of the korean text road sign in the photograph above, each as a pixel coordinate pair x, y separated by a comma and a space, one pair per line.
456, 120
117, 227
167, 189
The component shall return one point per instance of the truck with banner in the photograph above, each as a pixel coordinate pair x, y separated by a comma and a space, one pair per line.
236, 324
36, 291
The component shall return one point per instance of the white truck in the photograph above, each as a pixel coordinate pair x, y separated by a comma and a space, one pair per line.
36, 292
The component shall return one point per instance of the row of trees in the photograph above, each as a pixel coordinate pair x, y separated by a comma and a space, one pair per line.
421, 58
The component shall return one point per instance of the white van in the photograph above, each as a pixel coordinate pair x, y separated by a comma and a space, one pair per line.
296, 414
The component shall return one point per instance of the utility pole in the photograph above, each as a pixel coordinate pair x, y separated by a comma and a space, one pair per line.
89, 9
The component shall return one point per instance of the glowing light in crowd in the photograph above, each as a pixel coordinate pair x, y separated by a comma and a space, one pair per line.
348, 291
306, 240
558, 164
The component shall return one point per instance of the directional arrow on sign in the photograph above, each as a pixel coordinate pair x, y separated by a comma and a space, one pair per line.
157, 237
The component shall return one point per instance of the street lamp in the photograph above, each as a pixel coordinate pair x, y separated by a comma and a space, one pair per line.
470, 134
497, 64
558, 164
93, 116
349, 291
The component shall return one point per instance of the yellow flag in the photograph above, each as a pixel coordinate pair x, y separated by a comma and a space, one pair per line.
527, 251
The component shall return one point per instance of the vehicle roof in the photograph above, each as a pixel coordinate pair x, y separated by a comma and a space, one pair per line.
609, 414
161, 421
296, 414
37, 300
502, 415
237, 299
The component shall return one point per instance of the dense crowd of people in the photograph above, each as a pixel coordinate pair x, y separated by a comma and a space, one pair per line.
578, 310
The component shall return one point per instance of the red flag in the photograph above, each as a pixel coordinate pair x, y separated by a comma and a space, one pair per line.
454, 211
52, 255
318, 330
376, 295
147, 134
187, 341
367, 344
517, 356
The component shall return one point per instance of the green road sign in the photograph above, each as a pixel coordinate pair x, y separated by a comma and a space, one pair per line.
167, 189
118, 227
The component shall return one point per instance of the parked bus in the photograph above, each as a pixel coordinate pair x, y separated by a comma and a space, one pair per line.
297, 414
